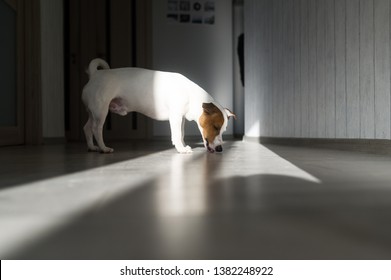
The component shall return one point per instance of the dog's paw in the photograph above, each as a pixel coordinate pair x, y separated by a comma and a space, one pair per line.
93, 149
185, 150
107, 150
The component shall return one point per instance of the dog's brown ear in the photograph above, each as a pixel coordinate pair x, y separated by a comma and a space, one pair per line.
230, 113
209, 108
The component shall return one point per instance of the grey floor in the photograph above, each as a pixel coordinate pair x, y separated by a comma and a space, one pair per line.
145, 201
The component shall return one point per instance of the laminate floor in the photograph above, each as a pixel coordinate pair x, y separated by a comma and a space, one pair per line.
145, 201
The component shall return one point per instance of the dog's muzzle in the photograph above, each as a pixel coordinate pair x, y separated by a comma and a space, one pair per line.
218, 148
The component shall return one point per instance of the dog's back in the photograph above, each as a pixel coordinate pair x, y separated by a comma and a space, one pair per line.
152, 93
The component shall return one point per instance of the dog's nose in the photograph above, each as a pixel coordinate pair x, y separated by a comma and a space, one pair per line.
219, 149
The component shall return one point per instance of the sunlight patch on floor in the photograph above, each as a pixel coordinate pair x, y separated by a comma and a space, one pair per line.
35, 209
181, 186
249, 159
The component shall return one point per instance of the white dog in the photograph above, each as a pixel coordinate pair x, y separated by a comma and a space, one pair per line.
156, 94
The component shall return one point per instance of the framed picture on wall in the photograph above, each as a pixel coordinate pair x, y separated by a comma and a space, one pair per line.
191, 11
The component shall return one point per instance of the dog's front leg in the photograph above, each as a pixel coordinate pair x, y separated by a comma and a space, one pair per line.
177, 134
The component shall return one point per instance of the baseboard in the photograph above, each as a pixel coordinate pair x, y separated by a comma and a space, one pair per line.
378, 146
54, 140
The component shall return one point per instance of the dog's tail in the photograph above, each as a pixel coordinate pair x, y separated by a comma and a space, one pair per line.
95, 65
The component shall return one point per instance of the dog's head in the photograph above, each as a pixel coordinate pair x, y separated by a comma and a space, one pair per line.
212, 123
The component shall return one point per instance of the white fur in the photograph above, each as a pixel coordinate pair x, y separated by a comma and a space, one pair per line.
156, 94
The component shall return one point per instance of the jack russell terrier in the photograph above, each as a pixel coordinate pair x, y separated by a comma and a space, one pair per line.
158, 95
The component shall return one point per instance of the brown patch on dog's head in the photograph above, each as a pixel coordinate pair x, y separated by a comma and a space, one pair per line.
211, 122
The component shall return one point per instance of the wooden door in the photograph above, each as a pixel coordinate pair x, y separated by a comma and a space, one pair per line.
11, 73
117, 31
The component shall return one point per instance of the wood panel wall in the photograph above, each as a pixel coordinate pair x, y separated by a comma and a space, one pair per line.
317, 68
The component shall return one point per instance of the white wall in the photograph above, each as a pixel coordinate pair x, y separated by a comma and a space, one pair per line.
52, 63
318, 68
202, 52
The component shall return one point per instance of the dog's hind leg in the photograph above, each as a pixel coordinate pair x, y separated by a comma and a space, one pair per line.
89, 135
97, 129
